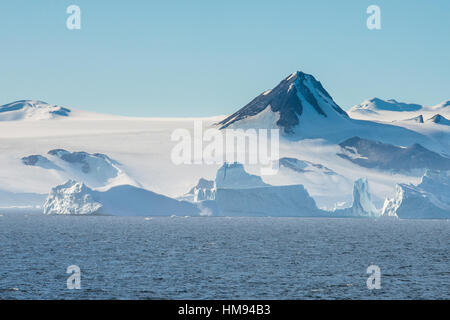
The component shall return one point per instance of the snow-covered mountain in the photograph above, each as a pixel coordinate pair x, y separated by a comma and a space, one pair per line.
443, 106
109, 153
298, 98
393, 110
302, 109
376, 105
430, 199
31, 110
375, 154
417, 119
97, 170
439, 119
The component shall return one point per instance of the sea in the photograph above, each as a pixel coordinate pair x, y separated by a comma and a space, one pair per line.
43, 257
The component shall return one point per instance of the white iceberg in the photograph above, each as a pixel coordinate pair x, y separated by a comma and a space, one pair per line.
72, 198
430, 199
243, 194
124, 200
362, 202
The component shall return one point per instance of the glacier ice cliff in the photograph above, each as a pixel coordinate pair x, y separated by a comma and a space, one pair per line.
239, 193
283, 201
235, 192
233, 175
430, 199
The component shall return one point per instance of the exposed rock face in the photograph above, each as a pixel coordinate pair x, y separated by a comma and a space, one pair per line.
418, 119
439, 119
303, 166
430, 199
39, 161
374, 154
289, 99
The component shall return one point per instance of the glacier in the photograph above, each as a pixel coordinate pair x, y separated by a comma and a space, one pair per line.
430, 199
238, 193
108, 154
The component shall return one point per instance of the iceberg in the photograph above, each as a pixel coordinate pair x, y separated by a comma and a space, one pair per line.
430, 199
71, 198
233, 175
239, 193
281, 201
204, 190
75, 198
362, 202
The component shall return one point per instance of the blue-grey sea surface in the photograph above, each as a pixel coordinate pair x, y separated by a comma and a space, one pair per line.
222, 258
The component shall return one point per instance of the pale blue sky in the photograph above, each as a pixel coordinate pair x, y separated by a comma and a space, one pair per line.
202, 58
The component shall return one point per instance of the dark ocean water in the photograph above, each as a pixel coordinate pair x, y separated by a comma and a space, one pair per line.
222, 258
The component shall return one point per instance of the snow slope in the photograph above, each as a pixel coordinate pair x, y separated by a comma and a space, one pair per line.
31, 110
97, 170
298, 97
125, 200
392, 110
141, 148
302, 109
374, 154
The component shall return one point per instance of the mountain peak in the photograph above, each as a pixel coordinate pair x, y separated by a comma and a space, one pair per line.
297, 96
31, 110
440, 119
377, 104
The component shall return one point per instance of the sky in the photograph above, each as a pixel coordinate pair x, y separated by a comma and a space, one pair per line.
205, 58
